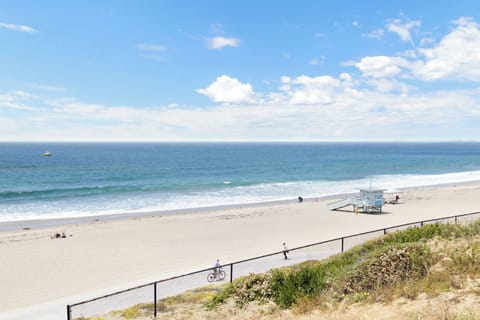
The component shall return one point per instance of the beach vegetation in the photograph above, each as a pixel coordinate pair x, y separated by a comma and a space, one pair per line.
400, 264
166, 306
133, 312
254, 287
199, 295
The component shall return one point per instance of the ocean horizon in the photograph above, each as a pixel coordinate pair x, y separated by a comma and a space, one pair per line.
90, 179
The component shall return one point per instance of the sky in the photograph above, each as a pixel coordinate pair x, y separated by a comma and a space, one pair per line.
239, 70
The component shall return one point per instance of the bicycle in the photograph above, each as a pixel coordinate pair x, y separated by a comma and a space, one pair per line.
216, 275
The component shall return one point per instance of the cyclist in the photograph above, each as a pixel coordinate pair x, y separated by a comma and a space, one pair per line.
216, 268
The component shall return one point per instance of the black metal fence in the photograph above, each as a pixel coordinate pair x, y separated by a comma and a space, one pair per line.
154, 291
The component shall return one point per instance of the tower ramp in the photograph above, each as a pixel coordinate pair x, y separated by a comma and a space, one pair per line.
339, 204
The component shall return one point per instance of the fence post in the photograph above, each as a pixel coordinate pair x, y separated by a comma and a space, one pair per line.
231, 272
385, 231
455, 219
421, 224
155, 300
342, 243
69, 312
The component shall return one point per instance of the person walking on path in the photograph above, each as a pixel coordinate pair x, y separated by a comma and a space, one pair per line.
285, 251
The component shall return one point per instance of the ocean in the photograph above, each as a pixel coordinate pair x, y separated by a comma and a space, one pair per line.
87, 179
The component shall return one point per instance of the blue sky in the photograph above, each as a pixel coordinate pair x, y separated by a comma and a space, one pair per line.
239, 70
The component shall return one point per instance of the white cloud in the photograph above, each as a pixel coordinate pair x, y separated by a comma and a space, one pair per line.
45, 87
383, 85
403, 29
303, 90
285, 79
81, 108
300, 91
355, 24
221, 42
15, 105
313, 90
317, 82
229, 90
349, 63
18, 27
380, 66
456, 56
152, 51
23, 94
345, 77
426, 41
375, 34
319, 108
16, 100
17, 95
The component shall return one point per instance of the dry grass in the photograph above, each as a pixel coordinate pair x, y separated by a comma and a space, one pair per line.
449, 290
455, 305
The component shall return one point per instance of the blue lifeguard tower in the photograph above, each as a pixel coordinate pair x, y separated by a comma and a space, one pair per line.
369, 200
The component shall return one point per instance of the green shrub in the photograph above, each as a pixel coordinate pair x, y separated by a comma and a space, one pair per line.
467, 260
287, 287
221, 297
254, 287
394, 265
396, 260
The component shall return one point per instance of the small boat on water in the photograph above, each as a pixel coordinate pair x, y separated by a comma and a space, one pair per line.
46, 154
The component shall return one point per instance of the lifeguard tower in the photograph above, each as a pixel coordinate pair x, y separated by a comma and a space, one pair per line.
369, 200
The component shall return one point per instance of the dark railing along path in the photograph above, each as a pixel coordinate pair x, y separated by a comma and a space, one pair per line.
174, 285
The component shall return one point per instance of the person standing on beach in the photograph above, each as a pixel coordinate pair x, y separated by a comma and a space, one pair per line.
285, 251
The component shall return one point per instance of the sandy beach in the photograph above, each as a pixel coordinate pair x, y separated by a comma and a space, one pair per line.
99, 255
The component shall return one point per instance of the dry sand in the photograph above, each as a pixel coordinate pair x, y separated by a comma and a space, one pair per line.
100, 256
